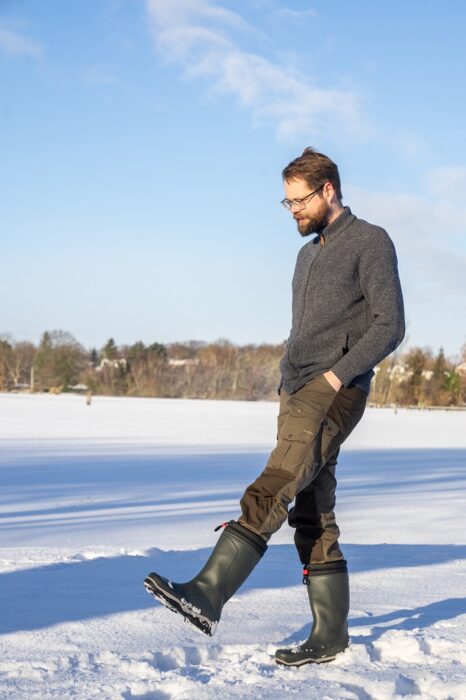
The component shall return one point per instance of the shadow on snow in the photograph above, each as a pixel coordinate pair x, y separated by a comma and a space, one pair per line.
76, 591
95, 487
84, 589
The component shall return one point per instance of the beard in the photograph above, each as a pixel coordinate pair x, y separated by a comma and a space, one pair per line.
314, 223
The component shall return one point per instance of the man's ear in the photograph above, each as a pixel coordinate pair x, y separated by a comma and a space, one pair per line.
328, 191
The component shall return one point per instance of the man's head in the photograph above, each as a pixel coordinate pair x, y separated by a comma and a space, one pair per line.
312, 191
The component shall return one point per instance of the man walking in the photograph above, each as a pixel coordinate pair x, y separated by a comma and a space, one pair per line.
347, 316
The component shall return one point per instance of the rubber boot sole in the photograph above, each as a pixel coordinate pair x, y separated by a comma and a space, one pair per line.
159, 590
302, 662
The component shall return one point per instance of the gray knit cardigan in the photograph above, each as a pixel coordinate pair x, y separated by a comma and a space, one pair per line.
347, 305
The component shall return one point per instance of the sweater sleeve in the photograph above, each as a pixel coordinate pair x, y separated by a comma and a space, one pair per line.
380, 284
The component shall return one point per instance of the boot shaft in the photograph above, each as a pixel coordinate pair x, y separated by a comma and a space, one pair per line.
328, 592
234, 557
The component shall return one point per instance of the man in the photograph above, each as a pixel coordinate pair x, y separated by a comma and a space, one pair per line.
347, 316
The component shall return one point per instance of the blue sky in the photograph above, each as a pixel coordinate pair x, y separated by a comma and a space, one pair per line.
142, 143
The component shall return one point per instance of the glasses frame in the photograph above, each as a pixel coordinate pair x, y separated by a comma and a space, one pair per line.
302, 203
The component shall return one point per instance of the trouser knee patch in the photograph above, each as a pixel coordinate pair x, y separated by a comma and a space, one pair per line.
261, 495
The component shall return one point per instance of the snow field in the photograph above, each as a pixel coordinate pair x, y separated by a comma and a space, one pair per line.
95, 497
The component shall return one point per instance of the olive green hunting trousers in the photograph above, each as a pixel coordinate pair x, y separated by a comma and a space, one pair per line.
312, 425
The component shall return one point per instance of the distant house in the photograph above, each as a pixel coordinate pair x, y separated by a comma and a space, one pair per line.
22, 386
79, 387
399, 373
116, 363
192, 362
461, 369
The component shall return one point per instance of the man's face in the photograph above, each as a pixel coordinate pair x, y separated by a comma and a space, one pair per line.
313, 214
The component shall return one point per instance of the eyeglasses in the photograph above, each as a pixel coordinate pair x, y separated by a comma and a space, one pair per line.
300, 203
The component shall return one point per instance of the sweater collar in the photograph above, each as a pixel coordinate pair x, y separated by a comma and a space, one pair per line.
341, 222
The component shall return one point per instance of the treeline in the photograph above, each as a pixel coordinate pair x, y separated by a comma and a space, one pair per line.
418, 377
219, 370
194, 369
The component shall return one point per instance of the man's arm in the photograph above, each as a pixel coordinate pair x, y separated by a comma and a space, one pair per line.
380, 284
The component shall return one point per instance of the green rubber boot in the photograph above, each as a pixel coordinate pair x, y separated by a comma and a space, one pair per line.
200, 601
328, 589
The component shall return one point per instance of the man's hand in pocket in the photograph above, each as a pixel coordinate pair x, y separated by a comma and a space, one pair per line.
333, 380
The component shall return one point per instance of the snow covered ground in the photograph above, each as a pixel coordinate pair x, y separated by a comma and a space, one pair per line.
94, 497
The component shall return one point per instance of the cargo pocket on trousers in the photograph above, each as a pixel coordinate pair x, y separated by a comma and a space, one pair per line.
279, 453
293, 452
300, 436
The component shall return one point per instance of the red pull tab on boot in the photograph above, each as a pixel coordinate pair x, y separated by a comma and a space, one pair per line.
306, 575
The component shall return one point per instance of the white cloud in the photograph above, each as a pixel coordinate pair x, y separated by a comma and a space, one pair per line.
426, 234
15, 44
295, 15
447, 181
200, 37
429, 236
415, 220
96, 75
173, 13
410, 145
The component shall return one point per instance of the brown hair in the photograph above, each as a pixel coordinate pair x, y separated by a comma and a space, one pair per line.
315, 168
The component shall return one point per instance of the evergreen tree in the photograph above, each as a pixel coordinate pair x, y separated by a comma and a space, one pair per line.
94, 358
110, 350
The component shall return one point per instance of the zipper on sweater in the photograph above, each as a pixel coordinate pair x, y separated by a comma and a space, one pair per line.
321, 238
